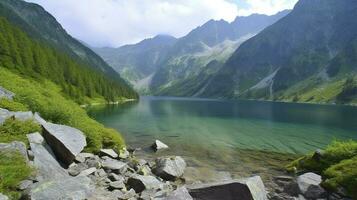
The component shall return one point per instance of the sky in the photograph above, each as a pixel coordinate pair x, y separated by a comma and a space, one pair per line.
112, 23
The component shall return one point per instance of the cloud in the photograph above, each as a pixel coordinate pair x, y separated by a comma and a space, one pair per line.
268, 7
117, 22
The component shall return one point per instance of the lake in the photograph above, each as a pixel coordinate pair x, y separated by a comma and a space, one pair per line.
240, 137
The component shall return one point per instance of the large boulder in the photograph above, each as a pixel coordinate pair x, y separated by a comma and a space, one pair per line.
309, 185
179, 194
170, 168
66, 142
244, 189
4, 93
76, 188
15, 146
44, 160
158, 145
140, 183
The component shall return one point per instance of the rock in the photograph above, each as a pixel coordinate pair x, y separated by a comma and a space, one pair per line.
66, 142
30, 155
24, 184
88, 171
158, 145
129, 194
109, 152
39, 119
100, 173
124, 154
75, 188
4, 93
309, 185
116, 185
140, 183
3, 197
15, 146
144, 170
4, 115
44, 159
291, 188
93, 162
244, 189
23, 116
102, 194
111, 164
179, 194
115, 177
318, 154
170, 168
81, 157
76, 169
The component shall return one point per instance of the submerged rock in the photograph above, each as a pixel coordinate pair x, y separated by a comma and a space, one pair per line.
170, 168
79, 187
158, 145
66, 142
245, 189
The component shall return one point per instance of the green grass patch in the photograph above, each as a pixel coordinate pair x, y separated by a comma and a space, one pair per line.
338, 166
12, 105
46, 98
17, 130
13, 169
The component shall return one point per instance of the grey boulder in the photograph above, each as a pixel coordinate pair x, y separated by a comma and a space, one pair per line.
309, 185
23, 116
140, 183
170, 168
158, 145
74, 188
44, 159
244, 189
66, 142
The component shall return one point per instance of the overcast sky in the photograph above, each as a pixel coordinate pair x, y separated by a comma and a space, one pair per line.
113, 23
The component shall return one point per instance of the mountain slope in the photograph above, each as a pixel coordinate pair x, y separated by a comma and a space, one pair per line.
32, 31
306, 54
193, 56
137, 61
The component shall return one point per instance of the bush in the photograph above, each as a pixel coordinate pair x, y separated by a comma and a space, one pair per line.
13, 169
17, 130
337, 166
46, 98
12, 105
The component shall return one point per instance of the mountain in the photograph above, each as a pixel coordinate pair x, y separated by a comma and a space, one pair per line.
309, 56
138, 61
180, 66
45, 50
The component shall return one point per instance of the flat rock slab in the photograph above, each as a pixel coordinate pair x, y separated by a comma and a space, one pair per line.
140, 183
109, 152
44, 159
66, 142
75, 188
112, 164
244, 189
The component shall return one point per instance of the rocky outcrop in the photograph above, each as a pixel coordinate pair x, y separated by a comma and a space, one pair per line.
170, 168
158, 145
80, 187
66, 142
44, 160
4, 93
245, 189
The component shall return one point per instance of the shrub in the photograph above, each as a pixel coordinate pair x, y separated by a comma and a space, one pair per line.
13, 169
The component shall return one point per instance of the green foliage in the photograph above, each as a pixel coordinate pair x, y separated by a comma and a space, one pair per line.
47, 99
21, 54
13, 169
337, 165
349, 91
12, 105
13, 130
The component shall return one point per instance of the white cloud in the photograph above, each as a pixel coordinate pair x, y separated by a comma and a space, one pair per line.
265, 6
117, 22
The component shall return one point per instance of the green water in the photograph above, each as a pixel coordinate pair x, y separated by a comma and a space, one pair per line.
214, 133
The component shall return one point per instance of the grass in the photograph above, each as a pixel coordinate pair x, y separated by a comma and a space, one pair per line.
16, 130
337, 166
13, 169
12, 105
46, 98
